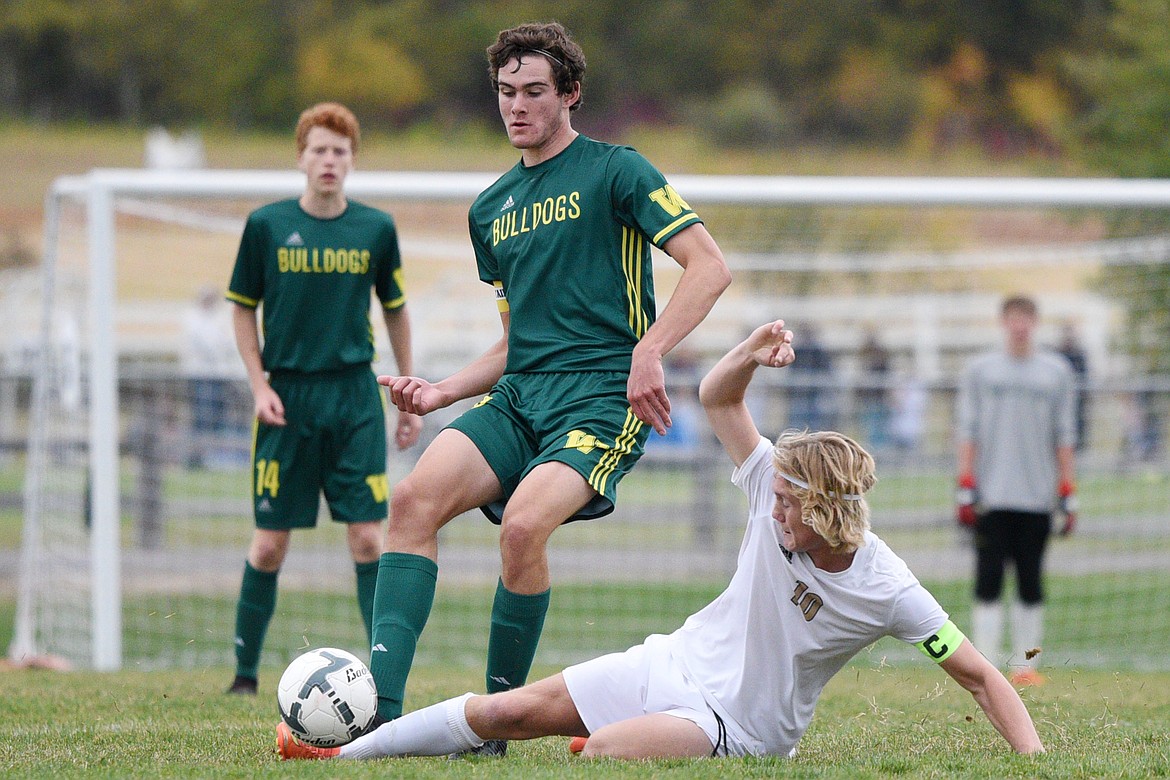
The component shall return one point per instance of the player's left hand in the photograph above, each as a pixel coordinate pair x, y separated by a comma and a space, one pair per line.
412, 394
646, 392
771, 345
1067, 507
408, 429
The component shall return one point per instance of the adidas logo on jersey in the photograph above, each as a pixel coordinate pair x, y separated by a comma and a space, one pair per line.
265, 505
294, 240
509, 203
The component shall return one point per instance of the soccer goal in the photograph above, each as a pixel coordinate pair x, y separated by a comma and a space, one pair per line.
136, 465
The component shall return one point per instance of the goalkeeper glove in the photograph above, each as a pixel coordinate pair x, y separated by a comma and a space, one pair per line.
1067, 507
965, 498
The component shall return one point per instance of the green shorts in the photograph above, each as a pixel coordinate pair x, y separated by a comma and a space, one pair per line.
334, 442
583, 420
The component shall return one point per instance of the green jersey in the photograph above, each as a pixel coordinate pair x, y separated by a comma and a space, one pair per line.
567, 245
314, 278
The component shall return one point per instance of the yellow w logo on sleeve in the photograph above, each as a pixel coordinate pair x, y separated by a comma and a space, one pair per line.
670, 201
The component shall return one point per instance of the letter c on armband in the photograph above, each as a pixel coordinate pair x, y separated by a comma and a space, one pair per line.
940, 645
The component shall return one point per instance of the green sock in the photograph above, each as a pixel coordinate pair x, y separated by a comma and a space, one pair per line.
253, 612
367, 583
517, 621
402, 604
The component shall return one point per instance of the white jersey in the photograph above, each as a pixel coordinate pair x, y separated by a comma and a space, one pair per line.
765, 648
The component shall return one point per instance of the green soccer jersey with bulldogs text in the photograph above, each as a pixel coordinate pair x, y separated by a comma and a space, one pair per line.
567, 245
314, 278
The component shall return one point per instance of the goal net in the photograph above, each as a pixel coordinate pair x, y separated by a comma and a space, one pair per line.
136, 464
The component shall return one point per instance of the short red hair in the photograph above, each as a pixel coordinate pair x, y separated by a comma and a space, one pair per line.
331, 116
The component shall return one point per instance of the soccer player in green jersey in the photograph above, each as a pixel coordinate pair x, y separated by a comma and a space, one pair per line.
575, 382
308, 266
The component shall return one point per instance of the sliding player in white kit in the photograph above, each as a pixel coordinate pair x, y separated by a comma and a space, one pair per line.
813, 587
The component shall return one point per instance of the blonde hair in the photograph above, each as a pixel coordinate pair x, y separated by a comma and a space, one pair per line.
331, 116
838, 473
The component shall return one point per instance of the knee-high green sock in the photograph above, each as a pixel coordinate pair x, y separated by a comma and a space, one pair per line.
517, 620
402, 604
367, 583
254, 610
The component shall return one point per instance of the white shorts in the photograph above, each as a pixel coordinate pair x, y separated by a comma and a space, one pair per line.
643, 680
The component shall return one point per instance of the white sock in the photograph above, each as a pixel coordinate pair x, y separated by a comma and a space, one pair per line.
987, 629
1027, 633
436, 730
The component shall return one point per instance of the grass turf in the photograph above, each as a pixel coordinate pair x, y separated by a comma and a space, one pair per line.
873, 721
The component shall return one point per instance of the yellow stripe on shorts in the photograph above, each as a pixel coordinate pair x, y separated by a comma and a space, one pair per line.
622, 447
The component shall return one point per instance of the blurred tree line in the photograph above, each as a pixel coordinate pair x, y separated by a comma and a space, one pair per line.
1086, 80
995, 73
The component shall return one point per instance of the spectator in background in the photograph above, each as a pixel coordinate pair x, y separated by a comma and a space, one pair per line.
811, 397
1016, 433
1070, 347
208, 361
873, 396
908, 418
681, 368
1142, 438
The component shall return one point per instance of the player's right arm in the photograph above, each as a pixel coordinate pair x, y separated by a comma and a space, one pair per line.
269, 409
723, 390
418, 396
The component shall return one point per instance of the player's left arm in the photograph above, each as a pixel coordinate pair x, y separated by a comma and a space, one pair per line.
409, 426
991, 690
705, 276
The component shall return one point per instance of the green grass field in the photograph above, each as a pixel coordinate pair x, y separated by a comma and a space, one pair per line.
905, 720
890, 714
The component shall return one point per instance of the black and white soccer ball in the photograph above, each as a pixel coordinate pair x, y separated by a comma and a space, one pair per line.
327, 697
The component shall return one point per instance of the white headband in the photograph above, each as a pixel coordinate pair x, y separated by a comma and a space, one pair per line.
802, 484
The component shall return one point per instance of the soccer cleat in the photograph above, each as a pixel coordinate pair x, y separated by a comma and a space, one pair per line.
492, 748
288, 747
1028, 678
577, 744
243, 686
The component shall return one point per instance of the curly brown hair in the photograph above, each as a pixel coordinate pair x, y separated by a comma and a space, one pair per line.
332, 116
548, 39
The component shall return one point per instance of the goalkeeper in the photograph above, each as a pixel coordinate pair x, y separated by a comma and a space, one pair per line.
813, 587
1017, 433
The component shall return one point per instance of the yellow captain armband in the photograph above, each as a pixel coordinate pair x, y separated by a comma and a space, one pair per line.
939, 646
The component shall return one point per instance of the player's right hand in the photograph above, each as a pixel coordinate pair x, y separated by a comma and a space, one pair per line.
268, 407
965, 500
412, 394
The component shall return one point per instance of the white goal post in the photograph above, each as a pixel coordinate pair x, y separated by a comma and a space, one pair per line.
101, 191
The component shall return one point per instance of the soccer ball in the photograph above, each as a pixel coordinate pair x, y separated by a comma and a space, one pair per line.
327, 697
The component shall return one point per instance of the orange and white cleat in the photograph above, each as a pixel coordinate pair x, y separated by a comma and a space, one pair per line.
1026, 677
577, 744
288, 747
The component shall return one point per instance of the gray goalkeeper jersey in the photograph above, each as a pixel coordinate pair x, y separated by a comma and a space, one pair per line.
1017, 411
